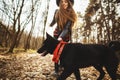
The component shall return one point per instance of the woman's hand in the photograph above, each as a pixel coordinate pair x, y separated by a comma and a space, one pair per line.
59, 39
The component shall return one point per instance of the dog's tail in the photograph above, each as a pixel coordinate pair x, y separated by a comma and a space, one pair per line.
114, 45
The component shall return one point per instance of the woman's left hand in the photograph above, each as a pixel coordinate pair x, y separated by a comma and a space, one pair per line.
59, 39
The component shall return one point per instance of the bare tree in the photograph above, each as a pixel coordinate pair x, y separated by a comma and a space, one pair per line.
33, 18
14, 10
45, 17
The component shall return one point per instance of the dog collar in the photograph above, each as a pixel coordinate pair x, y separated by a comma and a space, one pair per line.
58, 50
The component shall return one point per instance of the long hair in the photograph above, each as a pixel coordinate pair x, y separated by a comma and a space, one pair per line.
62, 15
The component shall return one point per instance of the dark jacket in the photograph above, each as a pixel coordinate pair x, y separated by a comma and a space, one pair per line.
65, 34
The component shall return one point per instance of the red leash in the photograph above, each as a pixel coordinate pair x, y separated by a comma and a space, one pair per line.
58, 50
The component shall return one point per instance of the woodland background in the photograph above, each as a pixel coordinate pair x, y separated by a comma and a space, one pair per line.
100, 23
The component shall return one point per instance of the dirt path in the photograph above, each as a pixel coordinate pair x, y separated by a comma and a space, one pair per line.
24, 66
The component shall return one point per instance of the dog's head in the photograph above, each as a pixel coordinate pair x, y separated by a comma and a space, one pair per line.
48, 45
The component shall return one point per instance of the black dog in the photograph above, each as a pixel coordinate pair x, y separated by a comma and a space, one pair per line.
77, 55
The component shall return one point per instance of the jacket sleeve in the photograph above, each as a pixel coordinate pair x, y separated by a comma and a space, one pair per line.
66, 29
53, 20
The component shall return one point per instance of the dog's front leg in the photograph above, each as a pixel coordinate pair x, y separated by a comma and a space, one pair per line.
77, 74
66, 72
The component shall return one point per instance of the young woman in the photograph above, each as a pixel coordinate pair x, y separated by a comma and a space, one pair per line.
65, 17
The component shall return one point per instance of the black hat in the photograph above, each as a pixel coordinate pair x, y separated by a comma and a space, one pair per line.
58, 1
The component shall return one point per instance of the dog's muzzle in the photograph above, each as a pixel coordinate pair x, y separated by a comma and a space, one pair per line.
44, 53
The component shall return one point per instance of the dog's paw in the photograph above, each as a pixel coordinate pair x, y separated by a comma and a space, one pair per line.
55, 74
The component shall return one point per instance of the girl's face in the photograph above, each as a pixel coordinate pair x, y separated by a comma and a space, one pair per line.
64, 4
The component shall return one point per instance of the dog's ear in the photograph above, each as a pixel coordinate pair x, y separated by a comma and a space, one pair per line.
48, 36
